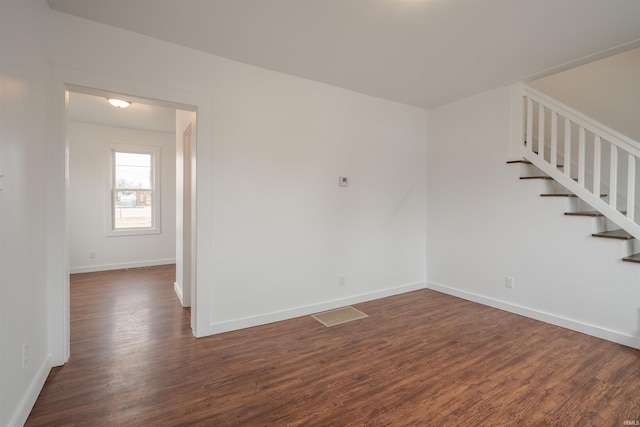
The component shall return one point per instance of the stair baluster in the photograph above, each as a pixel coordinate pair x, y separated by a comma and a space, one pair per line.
593, 142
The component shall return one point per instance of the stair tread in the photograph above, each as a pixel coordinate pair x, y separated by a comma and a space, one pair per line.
614, 234
564, 195
542, 177
632, 258
588, 213
526, 162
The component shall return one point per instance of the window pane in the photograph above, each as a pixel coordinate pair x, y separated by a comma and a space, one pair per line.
132, 209
133, 170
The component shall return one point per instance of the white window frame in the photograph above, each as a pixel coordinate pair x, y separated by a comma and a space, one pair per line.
155, 228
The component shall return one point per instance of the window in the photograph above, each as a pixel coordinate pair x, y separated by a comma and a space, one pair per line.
134, 193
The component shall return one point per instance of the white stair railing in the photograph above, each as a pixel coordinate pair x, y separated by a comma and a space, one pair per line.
584, 156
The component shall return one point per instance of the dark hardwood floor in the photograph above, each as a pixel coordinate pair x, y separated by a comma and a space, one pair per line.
419, 359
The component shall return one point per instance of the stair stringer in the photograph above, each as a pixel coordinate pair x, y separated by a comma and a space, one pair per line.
585, 195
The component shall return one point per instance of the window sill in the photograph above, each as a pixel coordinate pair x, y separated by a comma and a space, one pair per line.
133, 232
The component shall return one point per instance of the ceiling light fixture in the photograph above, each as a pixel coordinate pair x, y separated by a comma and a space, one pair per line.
119, 103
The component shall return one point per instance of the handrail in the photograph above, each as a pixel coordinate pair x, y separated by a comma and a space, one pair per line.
591, 137
587, 122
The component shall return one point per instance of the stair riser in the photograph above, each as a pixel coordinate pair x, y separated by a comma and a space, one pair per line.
552, 187
631, 247
601, 224
575, 204
530, 170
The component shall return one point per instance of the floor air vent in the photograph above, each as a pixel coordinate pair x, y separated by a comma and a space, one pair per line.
339, 316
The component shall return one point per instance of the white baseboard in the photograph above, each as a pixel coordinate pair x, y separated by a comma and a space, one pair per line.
178, 290
23, 410
276, 316
574, 325
121, 266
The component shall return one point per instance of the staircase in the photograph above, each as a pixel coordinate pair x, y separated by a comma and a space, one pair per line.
589, 165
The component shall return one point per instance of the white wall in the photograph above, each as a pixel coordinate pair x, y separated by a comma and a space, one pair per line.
24, 76
274, 229
483, 224
184, 120
284, 230
607, 90
89, 148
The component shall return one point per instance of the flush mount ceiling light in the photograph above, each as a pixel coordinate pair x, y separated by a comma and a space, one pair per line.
119, 103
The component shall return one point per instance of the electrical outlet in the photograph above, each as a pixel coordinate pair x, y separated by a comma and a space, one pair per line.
509, 282
92, 255
341, 281
25, 354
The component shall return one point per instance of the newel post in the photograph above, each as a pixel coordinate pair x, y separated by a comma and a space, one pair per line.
517, 122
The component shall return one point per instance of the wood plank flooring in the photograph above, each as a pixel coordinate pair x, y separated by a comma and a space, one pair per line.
419, 359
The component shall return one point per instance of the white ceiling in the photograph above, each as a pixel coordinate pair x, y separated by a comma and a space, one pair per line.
418, 52
96, 110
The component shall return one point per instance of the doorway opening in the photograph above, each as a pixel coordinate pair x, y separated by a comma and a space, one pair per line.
131, 186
